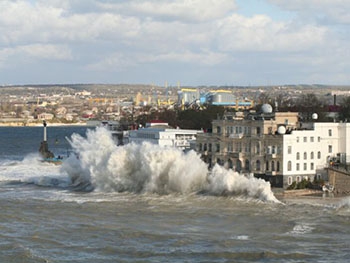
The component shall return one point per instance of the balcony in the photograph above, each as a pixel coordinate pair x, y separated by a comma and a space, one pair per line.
236, 154
271, 155
236, 135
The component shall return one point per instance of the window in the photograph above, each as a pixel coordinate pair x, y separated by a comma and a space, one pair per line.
298, 179
278, 166
298, 167
209, 147
218, 129
330, 148
273, 149
218, 147
257, 148
279, 149
289, 166
258, 165
200, 147
311, 139
312, 155
311, 166
258, 130
247, 147
272, 166
267, 165
247, 165
305, 155
297, 139
305, 139
330, 132
318, 155
289, 149
305, 166
290, 180
319, 139
298, 155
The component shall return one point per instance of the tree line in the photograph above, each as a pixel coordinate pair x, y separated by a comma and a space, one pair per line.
201, 118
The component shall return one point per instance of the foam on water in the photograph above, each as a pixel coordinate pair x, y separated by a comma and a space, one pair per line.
147, 168
33, 171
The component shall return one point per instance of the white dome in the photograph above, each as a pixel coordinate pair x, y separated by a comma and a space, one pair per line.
266, 108
281, 130
314, 116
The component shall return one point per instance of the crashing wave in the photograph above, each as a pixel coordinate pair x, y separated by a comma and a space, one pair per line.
147, 168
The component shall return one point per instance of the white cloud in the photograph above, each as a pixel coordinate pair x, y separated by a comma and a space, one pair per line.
42, 51
114, 36
123, 62
335, 11
33, 52
261, 33
184, 10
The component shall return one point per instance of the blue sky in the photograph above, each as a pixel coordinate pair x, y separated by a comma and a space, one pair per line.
197, 42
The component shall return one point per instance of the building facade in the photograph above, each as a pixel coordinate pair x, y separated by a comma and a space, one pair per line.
275, 146
163, 135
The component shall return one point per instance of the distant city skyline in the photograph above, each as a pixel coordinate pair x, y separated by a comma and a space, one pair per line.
197, 42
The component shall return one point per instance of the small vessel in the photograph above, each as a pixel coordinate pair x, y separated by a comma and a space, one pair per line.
44, 150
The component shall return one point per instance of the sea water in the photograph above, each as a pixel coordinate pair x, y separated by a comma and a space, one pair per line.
142, 203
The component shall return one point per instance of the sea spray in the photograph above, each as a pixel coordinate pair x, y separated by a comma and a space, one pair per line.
228, 182
148, 168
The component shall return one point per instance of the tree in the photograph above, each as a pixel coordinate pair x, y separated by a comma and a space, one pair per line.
344, 113
308, 104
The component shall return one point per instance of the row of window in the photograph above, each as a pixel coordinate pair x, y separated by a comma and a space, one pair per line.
270, 166
311, 155
311, 139
297, 167
305, 138
330, 150
208, 147
240, 130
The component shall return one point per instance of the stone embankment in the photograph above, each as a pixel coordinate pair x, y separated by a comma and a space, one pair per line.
340, 179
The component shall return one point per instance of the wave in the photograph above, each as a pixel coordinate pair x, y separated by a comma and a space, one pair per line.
31, 170
100, 165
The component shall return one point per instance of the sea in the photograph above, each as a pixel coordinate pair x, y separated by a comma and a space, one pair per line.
142, 203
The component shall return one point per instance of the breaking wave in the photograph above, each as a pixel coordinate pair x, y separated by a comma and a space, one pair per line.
100, 165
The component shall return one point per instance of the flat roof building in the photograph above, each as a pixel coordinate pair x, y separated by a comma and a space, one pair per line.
162, 134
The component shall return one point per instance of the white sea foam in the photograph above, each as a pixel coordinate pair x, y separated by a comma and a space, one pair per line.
32, 170
149, 168
302, 229
344, 204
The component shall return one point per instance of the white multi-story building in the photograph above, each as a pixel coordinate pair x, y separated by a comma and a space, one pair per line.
275, 146
162, 134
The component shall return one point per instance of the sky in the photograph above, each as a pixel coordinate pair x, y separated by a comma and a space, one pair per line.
186, 42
